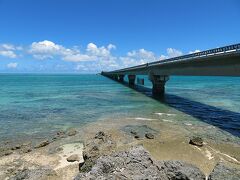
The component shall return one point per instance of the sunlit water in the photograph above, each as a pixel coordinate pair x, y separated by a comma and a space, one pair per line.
32, 106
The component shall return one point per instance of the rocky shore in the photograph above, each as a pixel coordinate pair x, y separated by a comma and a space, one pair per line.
136, 150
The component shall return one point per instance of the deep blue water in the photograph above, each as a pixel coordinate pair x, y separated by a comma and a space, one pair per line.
34, 105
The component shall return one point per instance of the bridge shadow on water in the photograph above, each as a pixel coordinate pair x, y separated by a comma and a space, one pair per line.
224, 119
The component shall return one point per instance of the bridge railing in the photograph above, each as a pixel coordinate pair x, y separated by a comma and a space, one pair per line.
200, 54
225, 49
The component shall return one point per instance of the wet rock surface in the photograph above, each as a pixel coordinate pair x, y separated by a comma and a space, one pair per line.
222, 172
197, 141
42, 144
137, 163
149, 136
34, 174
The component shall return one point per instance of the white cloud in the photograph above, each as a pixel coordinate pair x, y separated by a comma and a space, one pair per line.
12, 65
93, 58
197, 50
171, 52
93, 50
8, 50
137, 57
78, 57
48, 50
9, 54
8, 46
111, 46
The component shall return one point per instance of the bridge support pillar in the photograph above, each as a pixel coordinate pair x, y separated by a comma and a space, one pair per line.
115, 77
120, 78
158, 82
131, 80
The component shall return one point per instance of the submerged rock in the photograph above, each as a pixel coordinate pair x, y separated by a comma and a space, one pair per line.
149, 135
138, 164
136, 136
73, 158
139, 131
60, 133
72, 132
222, 172
133, 132
197, 141
42, 144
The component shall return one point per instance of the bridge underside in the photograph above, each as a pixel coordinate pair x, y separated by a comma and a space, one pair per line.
216, 65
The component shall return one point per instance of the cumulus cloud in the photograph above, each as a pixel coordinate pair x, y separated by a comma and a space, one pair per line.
93, 50
101, 55
171, 52
137, 57
92, 58
8, 50
48, 50
12, 65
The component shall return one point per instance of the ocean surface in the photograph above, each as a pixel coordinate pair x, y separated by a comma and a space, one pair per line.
37, 105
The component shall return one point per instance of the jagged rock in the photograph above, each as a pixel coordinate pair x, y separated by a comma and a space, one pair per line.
149, 135
17, 146
34, 174
222, 172
42, 144
7, 152
72, 132
138, 164
197, 141
73, 158
101, 144
100, 135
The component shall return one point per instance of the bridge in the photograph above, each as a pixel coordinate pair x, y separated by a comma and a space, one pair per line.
223, 61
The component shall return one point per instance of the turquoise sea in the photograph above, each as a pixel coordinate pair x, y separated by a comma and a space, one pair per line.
37, 105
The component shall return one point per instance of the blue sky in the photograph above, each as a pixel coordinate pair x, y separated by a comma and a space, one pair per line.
87, 36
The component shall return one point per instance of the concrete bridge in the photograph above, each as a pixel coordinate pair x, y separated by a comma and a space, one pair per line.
223, 61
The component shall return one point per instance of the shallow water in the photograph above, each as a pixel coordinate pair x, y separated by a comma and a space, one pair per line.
34, 105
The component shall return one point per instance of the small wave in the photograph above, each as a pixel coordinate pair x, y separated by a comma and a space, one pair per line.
208, 154
143, 119
188, 124
224, 154
167, 120
166, 114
